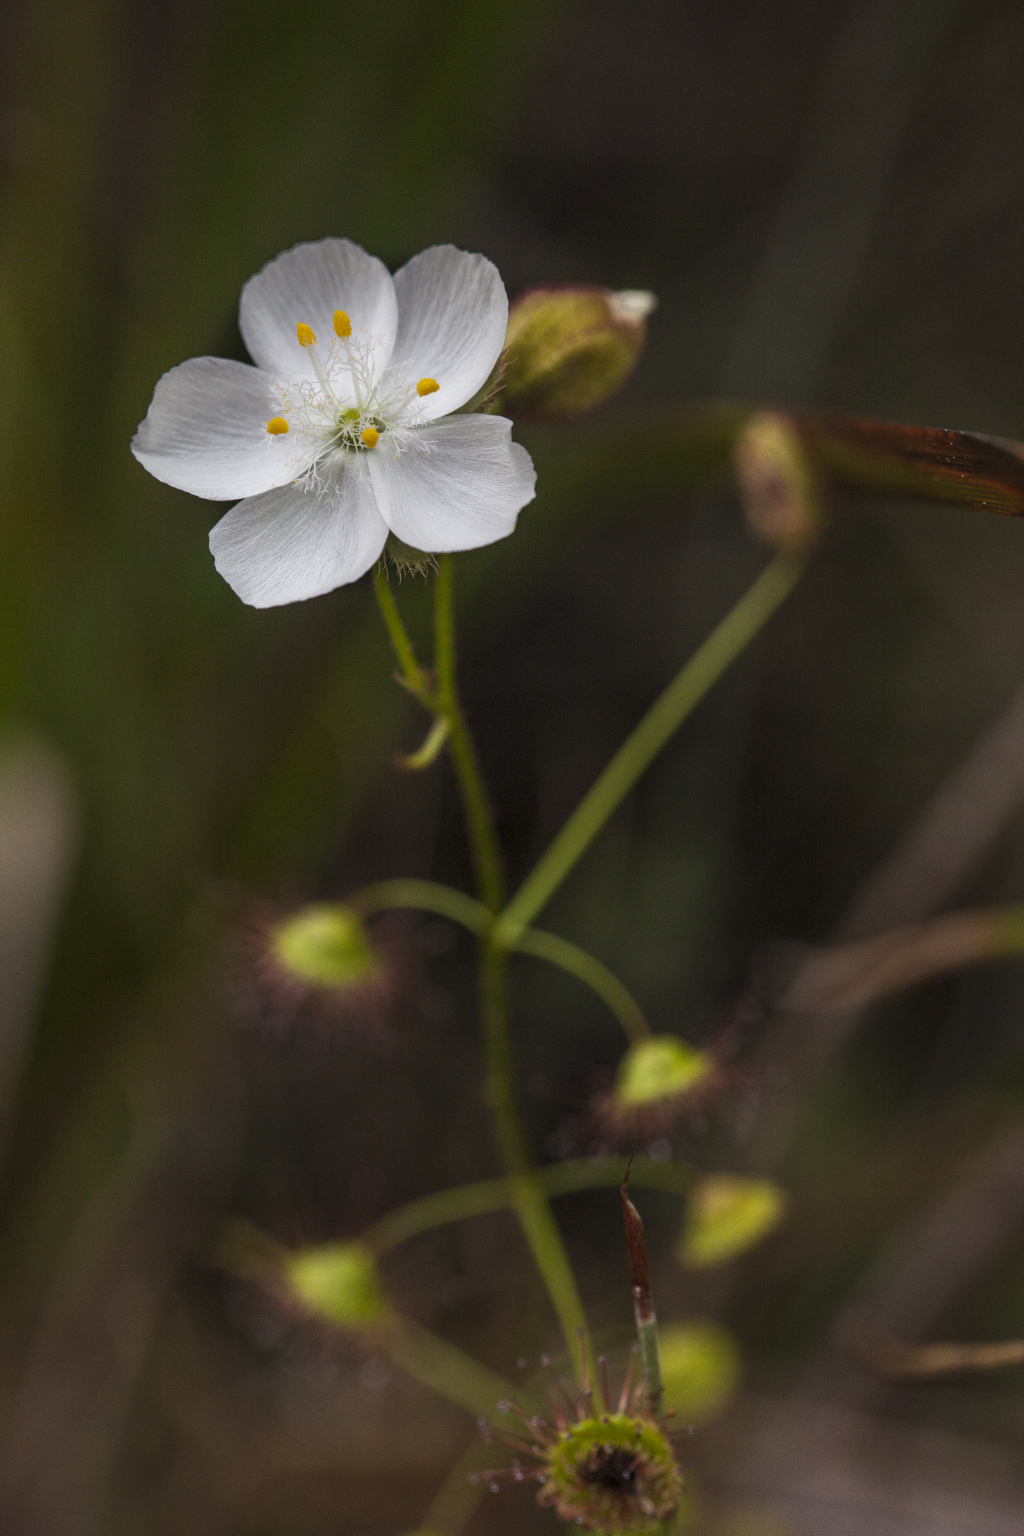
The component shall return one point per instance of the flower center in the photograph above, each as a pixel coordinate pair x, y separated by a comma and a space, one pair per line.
350, 405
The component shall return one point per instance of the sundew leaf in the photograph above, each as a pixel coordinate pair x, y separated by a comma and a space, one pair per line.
726, 1215
700, 1368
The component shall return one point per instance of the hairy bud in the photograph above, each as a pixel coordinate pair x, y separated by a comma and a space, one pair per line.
338, 1282
781, 496
569, 349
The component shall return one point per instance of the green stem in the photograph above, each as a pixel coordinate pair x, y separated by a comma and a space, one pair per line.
482, 836
636, 754
429, 896
413, 675
569, 957
528, 1198
453, 1504
447, 1370
489, 1195
424, 896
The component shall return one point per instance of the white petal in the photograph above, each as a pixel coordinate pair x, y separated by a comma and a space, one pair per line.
292, 543
459, 484
452, 317
307, 284
206, 432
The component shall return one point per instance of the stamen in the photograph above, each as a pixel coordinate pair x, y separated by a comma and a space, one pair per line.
342, 324
369, 437
427, 387
276, 426
306, 334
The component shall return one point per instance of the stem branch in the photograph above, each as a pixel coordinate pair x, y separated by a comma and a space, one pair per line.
640, 749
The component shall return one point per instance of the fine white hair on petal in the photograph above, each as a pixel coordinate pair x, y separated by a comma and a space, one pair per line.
452, 318
295, 543
206, 432
460, 483
307, 284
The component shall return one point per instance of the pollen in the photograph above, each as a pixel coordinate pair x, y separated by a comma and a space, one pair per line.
369, 437
306, 334
427, 387
342, 324
276, 426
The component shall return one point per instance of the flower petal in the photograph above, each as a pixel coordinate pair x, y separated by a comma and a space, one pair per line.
293, 543
459, 484
307, 284
206, 432
452, 316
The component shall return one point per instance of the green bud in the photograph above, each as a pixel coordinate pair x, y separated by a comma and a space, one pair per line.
658, 1069
700, 1367
726, 1215
569, 349
781, 495
325, 945
338, 1282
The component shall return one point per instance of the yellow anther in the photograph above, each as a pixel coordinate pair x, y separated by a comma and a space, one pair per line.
427, 387
306, 334
369, 437
276, 425
342, 324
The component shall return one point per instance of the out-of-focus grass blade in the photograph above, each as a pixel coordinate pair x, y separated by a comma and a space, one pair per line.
886, 458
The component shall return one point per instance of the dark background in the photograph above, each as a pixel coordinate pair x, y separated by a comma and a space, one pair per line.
827, 199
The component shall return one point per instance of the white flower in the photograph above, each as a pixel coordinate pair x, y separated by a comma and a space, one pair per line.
343, 430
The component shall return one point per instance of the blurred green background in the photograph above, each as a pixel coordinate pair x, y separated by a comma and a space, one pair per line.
828, 199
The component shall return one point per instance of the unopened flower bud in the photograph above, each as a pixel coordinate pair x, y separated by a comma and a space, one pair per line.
726, 1215
338, 1282
700, 1367
325, 945
781, 496
569, 349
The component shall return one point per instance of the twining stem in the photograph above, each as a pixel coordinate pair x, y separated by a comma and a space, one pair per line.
640, 749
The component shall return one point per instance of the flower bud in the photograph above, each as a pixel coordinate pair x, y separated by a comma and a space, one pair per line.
568, 349
337, 1282
324, 945
700, 1367
727, 1215
781, 496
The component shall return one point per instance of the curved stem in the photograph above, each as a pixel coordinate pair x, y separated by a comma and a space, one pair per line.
446, 901
489, 1195
424, 896
586, 968
639, 750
